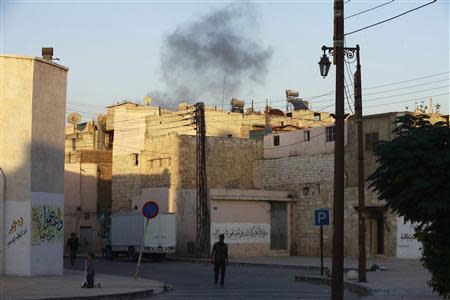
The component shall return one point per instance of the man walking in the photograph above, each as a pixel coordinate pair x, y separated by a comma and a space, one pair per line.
72, 245
219, 257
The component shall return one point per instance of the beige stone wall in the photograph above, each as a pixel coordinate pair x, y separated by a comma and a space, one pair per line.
170, 160
293, 174
47, 151
15, 141
80, 194
129, 133
315, 173
32, 109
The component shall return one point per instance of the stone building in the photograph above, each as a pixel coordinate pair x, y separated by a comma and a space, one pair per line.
255, 222
302, 162
87, 181
87, 193
32, 110
131, 123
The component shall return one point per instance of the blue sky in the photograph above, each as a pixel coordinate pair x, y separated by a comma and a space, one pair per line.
113, 48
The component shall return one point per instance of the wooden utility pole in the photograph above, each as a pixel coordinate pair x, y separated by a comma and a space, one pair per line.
203, 223
361, 189
337, 284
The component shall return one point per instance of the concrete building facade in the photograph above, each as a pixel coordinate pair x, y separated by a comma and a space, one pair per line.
303, 164
255, 222
32, 110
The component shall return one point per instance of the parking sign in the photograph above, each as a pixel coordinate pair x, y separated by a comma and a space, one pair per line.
321, 217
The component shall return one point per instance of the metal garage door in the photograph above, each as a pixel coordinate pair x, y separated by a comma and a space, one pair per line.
278, 226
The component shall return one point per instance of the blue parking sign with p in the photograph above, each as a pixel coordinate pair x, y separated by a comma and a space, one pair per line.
321, 217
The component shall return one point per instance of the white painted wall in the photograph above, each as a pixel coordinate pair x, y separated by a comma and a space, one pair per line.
237, 233
47, 243
293, 143
17, 237
407, 245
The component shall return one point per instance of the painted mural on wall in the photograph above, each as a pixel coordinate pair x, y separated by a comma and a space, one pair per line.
16, 232
407, 245
47, 223
237, 233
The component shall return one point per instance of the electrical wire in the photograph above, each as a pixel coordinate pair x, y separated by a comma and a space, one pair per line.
389, 19
367, 10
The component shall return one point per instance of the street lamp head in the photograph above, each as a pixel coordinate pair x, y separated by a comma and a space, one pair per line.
324, 65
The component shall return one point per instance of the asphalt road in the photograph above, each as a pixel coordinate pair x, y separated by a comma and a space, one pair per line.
195, 281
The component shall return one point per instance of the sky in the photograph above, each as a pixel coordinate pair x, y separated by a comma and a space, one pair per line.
212, 51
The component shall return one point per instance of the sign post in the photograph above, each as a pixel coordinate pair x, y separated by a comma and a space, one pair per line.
321, 217
150, 210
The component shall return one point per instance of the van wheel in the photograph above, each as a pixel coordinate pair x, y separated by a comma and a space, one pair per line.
108, 252
132, 253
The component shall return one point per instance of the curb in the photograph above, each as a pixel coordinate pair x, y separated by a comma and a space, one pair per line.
123, 296
250, 264
356, 288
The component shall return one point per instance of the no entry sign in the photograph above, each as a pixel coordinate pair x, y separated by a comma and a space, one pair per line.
150, 209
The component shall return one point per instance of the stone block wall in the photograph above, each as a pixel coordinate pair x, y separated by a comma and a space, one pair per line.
170, 160
310, 180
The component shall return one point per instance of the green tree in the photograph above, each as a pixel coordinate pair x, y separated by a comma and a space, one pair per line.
413, 177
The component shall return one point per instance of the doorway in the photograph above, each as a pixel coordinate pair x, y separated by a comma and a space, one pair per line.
85, 242
278, 226
377, 235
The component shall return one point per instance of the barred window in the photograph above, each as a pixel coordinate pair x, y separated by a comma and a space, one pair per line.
330, 133
276, 140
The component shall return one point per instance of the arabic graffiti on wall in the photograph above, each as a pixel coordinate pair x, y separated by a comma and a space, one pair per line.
237, 233
17, 230
47, 224
15, 224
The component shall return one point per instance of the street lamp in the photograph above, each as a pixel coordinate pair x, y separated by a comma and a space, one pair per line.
324, 64
338, 241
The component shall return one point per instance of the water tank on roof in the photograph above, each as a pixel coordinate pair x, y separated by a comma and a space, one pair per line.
237, 105
291, 93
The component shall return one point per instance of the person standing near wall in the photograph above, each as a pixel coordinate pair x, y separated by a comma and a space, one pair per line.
72, 245
219, 258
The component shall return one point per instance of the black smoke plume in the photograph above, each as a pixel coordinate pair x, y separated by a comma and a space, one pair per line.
219, 50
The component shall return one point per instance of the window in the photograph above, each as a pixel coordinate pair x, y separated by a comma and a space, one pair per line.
276, 140
317, 116
331, 133
306, 136
371, 140
136, 159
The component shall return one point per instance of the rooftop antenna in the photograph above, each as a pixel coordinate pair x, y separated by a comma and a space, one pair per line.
223, 91
74, 118
147, 100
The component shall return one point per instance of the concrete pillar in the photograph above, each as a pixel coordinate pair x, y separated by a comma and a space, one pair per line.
32, 118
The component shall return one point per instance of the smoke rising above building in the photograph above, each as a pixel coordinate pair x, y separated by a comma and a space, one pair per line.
212, 57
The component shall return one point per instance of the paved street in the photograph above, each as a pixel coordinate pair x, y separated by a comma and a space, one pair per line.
195, 281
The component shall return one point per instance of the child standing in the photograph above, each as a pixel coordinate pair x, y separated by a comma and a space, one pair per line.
89, 270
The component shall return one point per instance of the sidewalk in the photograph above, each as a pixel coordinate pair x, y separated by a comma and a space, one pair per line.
68, 287
403, 278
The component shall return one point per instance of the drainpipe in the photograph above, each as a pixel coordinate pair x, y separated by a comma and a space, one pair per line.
2, 212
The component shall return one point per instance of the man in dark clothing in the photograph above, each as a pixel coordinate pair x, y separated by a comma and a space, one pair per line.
72, 245
219, 257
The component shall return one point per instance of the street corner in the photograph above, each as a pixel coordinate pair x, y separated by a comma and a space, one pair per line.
68, 286
354, 287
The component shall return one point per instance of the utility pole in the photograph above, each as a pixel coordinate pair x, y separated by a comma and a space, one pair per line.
337, 285
203, 223
267, 116
361, 200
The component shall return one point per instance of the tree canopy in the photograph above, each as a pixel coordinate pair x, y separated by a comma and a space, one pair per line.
413, 177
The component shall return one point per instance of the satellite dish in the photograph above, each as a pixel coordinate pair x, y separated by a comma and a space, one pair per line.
74, 118
147, 100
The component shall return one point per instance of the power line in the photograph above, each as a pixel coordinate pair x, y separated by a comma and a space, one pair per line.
390, 19
367, 10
